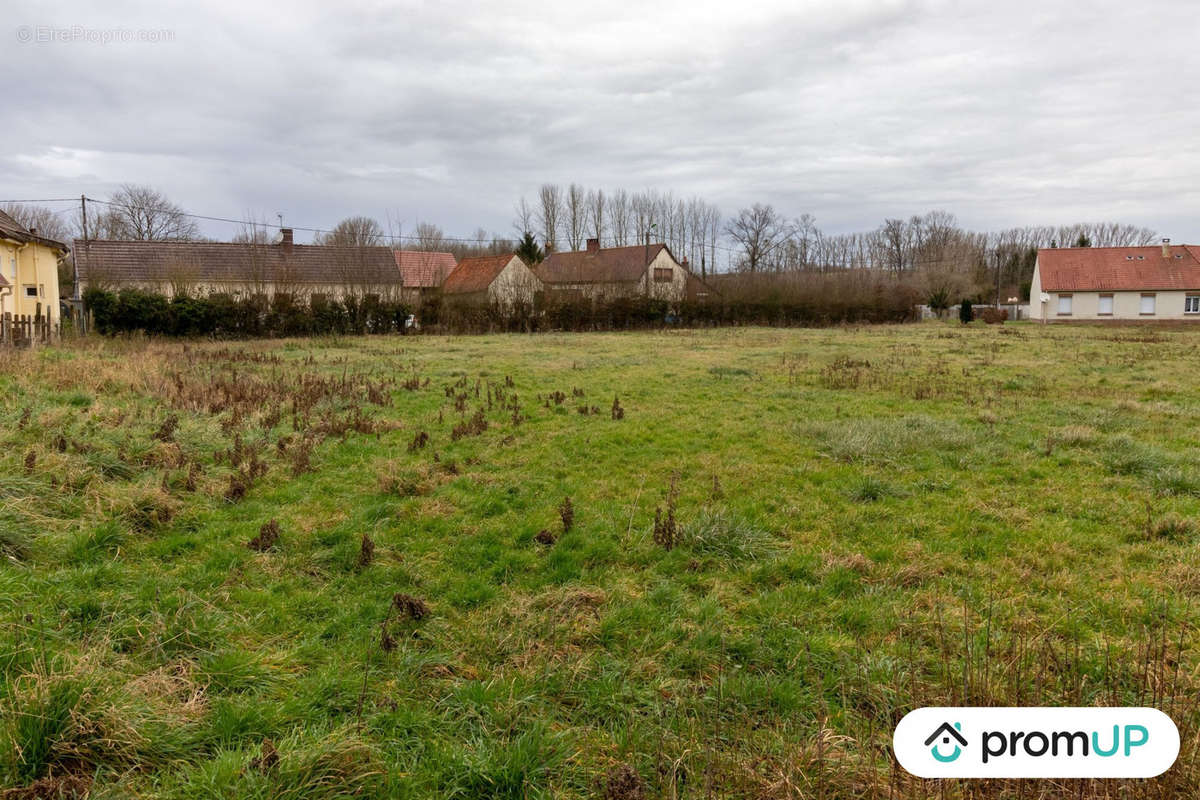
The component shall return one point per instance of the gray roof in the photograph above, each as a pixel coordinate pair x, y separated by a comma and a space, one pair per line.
101, 261
15, 231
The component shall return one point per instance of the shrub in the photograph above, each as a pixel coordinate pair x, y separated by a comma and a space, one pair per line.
134, 310
721, 533
965, 314
883, 441
1174, 528
852, 296
869, 489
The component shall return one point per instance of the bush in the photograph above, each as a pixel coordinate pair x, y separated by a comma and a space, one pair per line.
787, 299
134, 310
722, 534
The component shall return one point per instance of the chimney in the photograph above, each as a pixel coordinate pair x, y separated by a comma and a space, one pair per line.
286, 233
684, 263
33, 231
1166, 248
593, 245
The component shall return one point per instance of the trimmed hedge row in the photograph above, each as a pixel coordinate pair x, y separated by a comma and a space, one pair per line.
131, 310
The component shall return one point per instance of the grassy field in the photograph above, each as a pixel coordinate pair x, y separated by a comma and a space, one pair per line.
685, 564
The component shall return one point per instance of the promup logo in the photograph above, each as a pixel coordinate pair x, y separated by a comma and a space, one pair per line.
947, 732
1036, 742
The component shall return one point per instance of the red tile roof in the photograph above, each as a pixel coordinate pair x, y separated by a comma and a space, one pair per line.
1082, 269
607, 265
137, 262
423, 270
476, 274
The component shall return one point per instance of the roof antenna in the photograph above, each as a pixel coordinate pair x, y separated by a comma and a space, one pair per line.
280, 215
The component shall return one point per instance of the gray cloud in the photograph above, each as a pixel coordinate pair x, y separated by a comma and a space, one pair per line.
1006, 114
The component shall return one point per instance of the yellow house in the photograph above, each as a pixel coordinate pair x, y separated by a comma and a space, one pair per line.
28, 271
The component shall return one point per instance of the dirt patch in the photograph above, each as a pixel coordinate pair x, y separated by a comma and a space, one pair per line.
366, 553
65, 787
268, 537
268, 759
408, 606
622, 782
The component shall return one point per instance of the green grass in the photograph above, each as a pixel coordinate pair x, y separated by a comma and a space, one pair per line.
869, 520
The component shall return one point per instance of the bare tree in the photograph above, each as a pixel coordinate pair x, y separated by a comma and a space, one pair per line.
576, 215
759, 231
894, 236
550, 209
525, 218
47, 223
145, 214
354, 232
596, 209
429, 237
618, 217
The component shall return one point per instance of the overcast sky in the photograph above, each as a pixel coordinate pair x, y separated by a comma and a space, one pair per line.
1005, 113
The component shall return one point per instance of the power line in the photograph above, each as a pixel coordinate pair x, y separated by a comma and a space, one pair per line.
49, 200
391, 237
253, 224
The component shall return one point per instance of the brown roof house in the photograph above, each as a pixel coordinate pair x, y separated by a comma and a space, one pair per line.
424, 272
504, 281
1103, 283
605, 273
28, 271
200, 268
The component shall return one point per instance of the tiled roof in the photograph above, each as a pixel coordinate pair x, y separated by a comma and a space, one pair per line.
117, 262
1081, 269
476, 274
424, 270
606, 265
15, 231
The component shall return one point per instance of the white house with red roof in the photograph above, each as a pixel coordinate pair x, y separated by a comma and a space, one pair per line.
1103, 283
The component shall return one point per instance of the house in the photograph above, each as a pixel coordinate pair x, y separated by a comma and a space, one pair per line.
504, 281
423, 273
28, 271
1102, 283
246, 269
602, 274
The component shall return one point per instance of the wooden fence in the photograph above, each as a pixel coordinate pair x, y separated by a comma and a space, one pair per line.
23, 330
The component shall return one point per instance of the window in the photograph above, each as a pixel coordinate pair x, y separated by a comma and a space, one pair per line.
1104, 309
1064, 304
1147, 304
1191, 304
31, 291
663, 274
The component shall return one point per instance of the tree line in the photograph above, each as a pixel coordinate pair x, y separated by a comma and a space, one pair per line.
931, 251
565, 217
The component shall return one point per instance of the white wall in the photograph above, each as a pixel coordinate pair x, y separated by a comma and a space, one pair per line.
1126, 305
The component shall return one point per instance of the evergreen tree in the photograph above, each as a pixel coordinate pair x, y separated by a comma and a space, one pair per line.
529, 251
965, 314
1083, 241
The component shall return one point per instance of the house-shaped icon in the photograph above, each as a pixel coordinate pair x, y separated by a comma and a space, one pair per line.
945, 731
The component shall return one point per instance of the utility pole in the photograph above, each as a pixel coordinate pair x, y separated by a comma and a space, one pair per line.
75, 258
